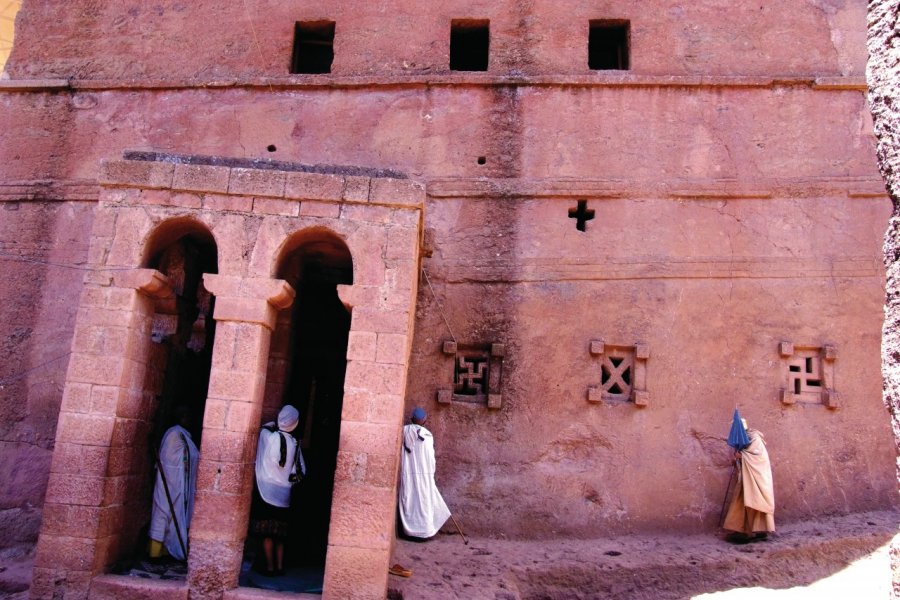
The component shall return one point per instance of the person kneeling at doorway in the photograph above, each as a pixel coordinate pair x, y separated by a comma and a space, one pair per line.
279, 465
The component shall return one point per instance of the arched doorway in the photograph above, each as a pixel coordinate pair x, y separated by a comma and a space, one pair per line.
177, 370
183, 326
307, 364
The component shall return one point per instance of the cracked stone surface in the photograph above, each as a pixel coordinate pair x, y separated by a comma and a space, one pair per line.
883, 75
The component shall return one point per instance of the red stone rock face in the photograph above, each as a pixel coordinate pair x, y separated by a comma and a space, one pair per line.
730, 174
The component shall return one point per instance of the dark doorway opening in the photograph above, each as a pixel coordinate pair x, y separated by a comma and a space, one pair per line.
309, 349
176, 380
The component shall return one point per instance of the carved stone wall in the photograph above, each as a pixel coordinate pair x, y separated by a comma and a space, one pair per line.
253, 215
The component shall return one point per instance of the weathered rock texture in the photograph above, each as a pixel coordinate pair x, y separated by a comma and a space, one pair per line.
883, 75
737, 219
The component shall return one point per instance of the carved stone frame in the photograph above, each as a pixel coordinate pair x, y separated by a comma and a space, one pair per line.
495, 352
825, 356
639, 353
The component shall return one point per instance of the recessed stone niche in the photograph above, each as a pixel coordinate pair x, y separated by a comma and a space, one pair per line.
623, 374
475, 374
808, 375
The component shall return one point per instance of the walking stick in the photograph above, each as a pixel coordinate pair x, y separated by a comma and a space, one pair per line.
459, 529
728, 491
162, 474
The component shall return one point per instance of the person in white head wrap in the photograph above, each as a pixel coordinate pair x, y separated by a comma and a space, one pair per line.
279, 465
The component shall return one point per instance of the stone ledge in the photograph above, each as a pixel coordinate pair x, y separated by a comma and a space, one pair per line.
687, 189
33, 85
594, 79
243, 593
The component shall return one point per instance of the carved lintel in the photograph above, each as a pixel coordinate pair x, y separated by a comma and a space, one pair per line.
786, 349
596, 348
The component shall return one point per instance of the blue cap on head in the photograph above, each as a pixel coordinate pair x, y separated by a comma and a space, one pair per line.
418, 414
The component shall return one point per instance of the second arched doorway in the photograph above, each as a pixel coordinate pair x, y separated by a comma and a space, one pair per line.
307, 363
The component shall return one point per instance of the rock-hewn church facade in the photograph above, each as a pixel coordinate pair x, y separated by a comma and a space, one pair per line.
579, 235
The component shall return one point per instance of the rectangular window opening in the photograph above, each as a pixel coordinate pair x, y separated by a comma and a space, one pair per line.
608, 45
313, 47
469, 44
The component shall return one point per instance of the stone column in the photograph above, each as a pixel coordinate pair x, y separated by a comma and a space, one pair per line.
103, 404
245, 312
361, 531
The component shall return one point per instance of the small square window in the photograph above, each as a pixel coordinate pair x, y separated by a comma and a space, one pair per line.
469, 44
313, 47
608, 45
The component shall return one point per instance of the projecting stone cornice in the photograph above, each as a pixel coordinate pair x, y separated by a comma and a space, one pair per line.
303, 82
687, 189
262, 181
333, 186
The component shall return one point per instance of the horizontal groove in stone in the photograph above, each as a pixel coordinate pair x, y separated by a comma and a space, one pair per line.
469, 80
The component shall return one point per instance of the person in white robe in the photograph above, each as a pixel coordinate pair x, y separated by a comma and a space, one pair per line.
170, 518
279, 465
422, 508
751, 514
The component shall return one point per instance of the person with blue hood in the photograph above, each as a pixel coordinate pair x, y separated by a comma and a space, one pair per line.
422, 508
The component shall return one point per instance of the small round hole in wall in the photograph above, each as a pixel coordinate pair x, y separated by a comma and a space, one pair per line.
482, 160
271, 148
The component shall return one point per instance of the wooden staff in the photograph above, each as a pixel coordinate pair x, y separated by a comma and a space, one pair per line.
728, 489
162, 474
459, 529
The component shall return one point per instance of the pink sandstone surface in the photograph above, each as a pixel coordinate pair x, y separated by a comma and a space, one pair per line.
738, 205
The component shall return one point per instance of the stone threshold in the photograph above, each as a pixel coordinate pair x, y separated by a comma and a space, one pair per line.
115, 587
313, 82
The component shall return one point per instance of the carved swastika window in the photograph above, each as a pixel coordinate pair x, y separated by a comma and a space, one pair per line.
808, 375
477, 374
470, 378
805, 375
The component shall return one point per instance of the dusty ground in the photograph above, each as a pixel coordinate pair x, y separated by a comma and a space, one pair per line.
839, 557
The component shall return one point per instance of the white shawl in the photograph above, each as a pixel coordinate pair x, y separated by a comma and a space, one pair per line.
422, 509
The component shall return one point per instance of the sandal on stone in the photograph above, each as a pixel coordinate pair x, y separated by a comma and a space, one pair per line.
400, 571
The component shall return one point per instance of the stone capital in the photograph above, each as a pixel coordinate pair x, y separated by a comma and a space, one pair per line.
248, 299
149, 282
